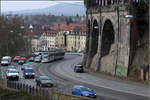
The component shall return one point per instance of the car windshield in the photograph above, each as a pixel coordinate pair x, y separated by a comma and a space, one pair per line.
13, 71
17, 57
11, 67
80, 67
86, 89
29, 70
45, 56
44, 78
21, 59
4, 59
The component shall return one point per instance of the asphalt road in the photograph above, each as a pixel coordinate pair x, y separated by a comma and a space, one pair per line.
61, 73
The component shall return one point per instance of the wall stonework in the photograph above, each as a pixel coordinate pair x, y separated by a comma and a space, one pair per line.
122, 25
100, 64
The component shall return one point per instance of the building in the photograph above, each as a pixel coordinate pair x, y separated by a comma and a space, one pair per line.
48, 40
117, 36
72, 37
35, 42
76, 41
61, 39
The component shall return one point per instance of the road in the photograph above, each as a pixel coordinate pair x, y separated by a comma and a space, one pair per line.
61, 72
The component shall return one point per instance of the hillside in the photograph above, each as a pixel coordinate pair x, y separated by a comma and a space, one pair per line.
65, 9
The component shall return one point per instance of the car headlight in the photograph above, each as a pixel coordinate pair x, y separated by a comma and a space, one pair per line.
26, 73
95, 94
33, 73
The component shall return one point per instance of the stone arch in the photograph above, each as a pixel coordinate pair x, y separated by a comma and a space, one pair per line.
94, 35
108, 37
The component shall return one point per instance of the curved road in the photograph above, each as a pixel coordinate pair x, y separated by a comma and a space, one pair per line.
62, 74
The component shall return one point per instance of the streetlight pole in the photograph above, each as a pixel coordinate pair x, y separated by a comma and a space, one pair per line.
118, 34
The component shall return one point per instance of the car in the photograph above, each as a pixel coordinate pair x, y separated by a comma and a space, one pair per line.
12, 74
23, 66
11, 67
37, 59
7, 57
44, 81
31, 59
81, 90
5, 62
28, 73
23, 58
21, 61
16, 58
78, 68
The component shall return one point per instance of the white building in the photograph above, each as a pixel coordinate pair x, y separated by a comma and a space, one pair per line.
48, 40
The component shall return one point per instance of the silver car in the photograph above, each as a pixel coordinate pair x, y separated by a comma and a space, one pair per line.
44, 81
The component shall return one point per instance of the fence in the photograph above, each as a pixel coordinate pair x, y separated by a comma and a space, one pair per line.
48, 94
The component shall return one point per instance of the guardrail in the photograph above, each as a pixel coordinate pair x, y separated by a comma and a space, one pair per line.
48, 94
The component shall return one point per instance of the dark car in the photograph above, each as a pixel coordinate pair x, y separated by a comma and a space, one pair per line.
21, 61
44, 81
31, 59
28, 72
81, 90
78, 68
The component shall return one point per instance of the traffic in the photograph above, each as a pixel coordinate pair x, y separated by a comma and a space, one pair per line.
19, 67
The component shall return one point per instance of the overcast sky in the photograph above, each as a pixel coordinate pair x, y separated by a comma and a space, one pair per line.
24, 5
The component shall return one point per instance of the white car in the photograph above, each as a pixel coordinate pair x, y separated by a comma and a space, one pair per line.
12, 74
5, 62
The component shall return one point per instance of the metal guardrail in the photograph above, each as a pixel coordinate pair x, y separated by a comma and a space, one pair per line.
51, 94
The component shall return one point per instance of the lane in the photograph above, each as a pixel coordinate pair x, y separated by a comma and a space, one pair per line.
104, 93
57, 72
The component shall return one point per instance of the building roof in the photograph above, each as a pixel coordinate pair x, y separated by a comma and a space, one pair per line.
64, 27
50, 33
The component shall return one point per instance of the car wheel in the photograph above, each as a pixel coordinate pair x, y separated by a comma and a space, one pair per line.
17, 78
72, 92
37, 84
51, 85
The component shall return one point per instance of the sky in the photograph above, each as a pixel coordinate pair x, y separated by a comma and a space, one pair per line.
8, 6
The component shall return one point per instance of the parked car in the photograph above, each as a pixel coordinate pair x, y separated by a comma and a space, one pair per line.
21, 61
31, 59
44, 81
12, 74
16, 58
23, 66
78, 68
83, 91
28, 72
